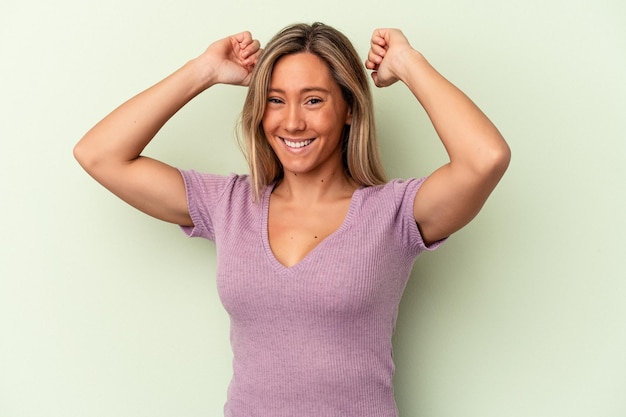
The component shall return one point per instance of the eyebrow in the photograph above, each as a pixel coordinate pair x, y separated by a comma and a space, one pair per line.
304, 90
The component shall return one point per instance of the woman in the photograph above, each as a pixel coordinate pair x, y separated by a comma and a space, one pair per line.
314, 246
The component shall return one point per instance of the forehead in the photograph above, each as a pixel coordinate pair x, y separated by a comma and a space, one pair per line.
301, 70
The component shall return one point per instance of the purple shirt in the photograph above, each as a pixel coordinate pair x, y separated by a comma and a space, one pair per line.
314, 339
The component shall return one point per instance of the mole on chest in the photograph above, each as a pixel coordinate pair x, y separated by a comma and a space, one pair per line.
292, 241
294, 234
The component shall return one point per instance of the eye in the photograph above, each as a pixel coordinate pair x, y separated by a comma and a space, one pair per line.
314, 101
274, 100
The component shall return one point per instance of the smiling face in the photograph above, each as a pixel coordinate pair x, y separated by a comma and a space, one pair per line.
305, 116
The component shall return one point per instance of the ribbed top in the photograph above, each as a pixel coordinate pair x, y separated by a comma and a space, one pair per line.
313, 339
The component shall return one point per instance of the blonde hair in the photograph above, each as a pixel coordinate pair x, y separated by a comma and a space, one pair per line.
361, 156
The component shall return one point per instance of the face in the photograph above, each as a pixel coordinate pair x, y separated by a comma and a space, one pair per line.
305, 116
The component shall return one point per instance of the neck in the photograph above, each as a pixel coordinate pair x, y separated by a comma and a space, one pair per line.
311, 188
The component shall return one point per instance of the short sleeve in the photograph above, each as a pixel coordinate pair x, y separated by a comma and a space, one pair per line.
203, 194
404, 193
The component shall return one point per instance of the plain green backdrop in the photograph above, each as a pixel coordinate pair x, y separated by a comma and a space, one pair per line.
107, 312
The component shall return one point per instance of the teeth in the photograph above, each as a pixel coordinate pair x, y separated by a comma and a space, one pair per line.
299, 144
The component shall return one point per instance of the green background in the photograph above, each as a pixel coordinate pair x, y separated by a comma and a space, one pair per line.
107, 312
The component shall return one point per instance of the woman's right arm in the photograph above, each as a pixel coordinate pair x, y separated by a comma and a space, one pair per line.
111, 151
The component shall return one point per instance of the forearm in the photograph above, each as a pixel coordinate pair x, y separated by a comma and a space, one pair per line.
111, 151
479, 156
467, 134
123, 134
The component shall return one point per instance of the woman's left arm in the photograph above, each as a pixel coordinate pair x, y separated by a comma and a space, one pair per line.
454, 194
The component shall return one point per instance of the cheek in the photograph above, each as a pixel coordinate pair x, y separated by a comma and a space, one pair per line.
332, 124
269, 131
269, 121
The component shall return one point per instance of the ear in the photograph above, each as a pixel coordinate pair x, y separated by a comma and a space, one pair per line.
349, 117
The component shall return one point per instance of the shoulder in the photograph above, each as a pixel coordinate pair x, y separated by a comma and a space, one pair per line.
215, 185
397, 191
212, 193
392, 201
211, 198
390, 206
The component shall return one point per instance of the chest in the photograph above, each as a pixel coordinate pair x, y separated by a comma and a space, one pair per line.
352, 273
294, 232
335, 261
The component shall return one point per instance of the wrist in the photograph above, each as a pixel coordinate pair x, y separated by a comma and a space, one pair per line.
409, 64
203, 73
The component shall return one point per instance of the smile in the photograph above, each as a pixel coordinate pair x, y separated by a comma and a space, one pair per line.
297, 144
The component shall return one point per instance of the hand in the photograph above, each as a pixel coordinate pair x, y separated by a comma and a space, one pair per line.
386, 56
231, 60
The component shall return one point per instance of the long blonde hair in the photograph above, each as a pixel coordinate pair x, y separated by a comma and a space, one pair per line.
361, 156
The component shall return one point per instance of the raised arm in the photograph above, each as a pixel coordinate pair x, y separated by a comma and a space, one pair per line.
454, 194
111, 151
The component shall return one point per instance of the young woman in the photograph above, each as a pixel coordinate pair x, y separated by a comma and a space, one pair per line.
314, 245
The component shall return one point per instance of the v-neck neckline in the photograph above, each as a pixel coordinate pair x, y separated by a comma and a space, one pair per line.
279, 266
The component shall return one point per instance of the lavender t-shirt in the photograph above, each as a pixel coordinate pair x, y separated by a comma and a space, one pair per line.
313, 339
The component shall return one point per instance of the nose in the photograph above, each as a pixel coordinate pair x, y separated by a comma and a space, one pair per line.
294, 119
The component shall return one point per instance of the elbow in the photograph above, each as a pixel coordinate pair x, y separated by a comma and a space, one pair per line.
489, 163
81, 154
496, 161
86, 155
77, 151
502, 158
